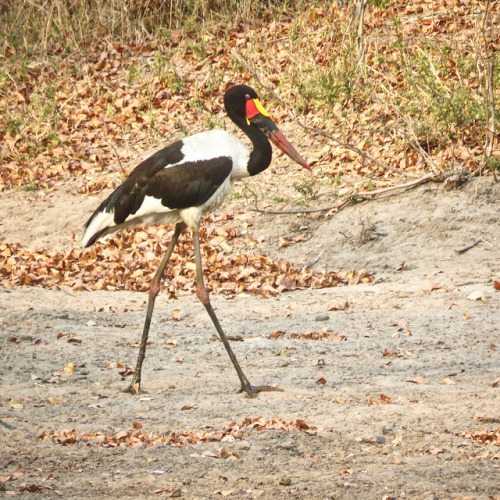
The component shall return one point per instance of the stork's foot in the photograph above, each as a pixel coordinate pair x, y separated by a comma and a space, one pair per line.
253, 390
134, 388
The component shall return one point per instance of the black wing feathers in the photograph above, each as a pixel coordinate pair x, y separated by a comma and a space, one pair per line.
190, 184
127, 199
178, 186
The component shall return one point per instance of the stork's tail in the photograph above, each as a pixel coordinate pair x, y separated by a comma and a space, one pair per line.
100, 223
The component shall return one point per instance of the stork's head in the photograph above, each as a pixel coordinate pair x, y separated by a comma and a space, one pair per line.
244, 108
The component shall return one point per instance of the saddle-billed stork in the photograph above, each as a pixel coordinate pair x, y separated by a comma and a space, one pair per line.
181, 182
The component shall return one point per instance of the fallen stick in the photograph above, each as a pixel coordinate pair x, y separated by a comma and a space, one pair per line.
308, 266
468, 247
301, 211
422, 180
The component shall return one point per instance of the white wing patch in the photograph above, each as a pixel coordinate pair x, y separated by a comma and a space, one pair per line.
214, 144
150, 205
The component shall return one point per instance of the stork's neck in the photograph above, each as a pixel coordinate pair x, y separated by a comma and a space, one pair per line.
260, 157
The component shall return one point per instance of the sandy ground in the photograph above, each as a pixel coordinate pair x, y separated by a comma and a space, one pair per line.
411, 368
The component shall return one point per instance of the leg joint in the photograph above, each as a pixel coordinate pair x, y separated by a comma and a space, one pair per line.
202, 294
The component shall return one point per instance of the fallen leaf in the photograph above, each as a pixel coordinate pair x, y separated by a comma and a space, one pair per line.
276, 335
283, 242
176, 314
448, 381
20, 99
54, 401
321, 381
11, 477
228, 453
496, 382
433, 286
338, 306
382, 400
386, 352
206, 453
397, 440
16, 406
69, 368
158, 492
496, 284
419, 380
436, 451
477, 295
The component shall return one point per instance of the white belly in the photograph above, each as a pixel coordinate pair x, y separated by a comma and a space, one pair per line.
192, 215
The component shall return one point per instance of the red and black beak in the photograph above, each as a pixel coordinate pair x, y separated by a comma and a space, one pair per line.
258, 116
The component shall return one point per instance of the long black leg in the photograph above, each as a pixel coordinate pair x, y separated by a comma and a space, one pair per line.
202, 294
135, 385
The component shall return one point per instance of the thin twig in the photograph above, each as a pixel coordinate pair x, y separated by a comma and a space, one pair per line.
295, 212
413, 140
354, 148
118, 157
468, 247
315, 261
422, 180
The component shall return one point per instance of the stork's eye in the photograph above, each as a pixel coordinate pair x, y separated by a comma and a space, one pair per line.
247, 97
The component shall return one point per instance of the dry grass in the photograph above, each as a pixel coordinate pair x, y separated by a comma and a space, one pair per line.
48, 25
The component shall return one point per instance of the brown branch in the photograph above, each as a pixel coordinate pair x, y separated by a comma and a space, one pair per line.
359, 16
363, 196
415, 183
490, 94
118, 157
358, 151
303, 211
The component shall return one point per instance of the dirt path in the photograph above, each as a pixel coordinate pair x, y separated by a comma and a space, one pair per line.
386, 399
